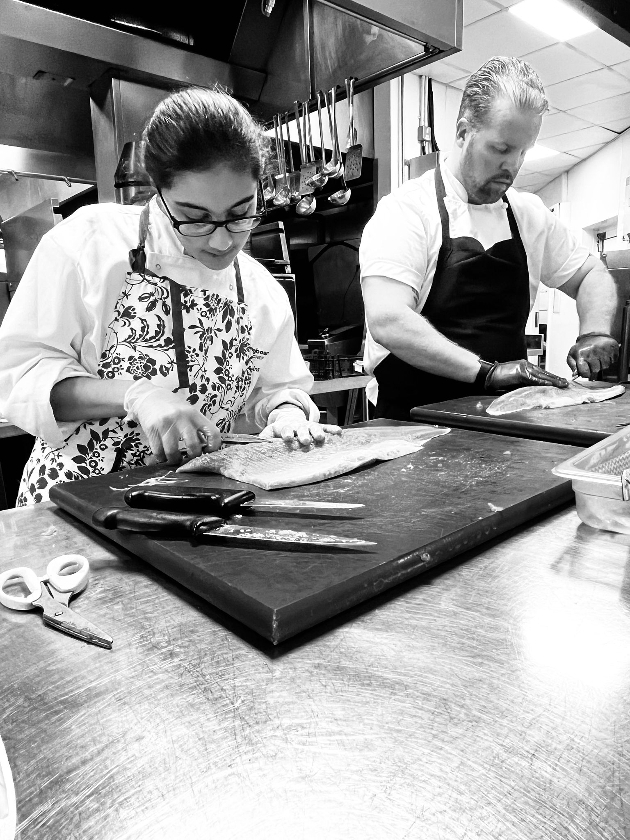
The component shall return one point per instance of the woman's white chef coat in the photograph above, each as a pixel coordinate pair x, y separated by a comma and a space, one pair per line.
57, 322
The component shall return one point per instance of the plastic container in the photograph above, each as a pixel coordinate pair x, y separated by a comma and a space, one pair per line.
601, 481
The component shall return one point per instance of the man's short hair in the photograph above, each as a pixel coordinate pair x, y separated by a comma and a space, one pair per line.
502, 76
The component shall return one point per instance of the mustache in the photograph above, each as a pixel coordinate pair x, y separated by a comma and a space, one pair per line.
503, 176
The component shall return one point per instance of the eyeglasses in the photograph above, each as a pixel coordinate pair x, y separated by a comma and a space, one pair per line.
244, 223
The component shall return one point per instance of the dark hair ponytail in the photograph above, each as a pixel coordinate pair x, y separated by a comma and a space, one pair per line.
195, 129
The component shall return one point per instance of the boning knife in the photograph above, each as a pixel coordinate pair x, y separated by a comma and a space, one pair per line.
208, 528
218, 502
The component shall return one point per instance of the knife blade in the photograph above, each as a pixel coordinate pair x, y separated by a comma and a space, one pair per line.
218, 502
239, 438
208, 528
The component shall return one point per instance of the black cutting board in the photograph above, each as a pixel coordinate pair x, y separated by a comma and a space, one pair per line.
460, 490
578, 425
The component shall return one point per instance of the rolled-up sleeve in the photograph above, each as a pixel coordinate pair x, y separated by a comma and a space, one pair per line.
41, 338
394, 243
554, 251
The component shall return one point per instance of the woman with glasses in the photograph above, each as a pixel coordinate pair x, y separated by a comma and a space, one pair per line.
140, 333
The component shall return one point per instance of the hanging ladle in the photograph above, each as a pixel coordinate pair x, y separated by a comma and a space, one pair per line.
307, 204
342, 196
268, 188
333, 168
320, 179
293, 179
281, 198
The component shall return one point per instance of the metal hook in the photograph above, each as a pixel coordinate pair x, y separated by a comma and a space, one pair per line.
67, 180
14, 175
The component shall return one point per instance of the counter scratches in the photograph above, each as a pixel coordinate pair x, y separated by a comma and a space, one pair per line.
487, 699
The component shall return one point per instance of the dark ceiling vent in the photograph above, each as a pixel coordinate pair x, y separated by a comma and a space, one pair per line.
159, 23
45, 76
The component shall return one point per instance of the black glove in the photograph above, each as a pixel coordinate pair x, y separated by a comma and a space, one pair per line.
505, 376
592, 354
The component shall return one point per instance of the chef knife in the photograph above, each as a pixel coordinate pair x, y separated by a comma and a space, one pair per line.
217, 502
207, 528
228, 437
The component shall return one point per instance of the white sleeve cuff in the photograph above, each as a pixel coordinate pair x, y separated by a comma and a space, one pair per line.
293, 396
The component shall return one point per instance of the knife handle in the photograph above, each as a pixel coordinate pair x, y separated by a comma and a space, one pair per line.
154, 522
206, 500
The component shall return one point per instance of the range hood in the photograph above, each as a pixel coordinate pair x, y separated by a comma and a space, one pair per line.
268, 60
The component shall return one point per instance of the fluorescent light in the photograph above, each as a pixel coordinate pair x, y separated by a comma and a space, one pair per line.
554, 18
538, 152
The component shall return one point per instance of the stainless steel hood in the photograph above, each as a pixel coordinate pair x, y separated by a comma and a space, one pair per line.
301, 44
55, 60
319, 43
35, 39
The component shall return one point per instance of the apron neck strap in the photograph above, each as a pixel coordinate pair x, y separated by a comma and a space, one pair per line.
516, 234
441, 193
239, 283
138, 263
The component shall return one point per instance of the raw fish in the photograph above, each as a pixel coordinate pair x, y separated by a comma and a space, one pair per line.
288, 465
545, 396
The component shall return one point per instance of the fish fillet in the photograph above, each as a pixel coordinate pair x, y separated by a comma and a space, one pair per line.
288, 465
543, 396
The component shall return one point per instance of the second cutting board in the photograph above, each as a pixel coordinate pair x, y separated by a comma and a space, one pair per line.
577, 425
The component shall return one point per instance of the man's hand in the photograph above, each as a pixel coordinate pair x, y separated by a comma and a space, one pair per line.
505, 376
593, 353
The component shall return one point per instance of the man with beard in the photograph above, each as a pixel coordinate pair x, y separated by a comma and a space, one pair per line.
451, 261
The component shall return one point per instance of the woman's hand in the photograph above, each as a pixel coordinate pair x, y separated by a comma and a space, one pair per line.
290, 423
167, 419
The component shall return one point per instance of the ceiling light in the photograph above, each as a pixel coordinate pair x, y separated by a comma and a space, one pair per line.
554, 18
538, 152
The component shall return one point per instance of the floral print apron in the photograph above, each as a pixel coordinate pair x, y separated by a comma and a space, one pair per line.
181, 338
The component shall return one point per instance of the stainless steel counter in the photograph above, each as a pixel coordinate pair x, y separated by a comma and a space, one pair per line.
490, 699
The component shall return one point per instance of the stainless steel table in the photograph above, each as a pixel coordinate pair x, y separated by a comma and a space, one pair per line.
490, 699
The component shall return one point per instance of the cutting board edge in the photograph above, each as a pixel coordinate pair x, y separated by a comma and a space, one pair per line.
512, 428
415, 562
248, 611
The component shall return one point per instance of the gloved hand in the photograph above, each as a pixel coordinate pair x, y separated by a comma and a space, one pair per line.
289, 423
593, 353
506, 376
166, 419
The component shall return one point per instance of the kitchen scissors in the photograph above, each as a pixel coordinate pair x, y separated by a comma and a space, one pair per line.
52, 593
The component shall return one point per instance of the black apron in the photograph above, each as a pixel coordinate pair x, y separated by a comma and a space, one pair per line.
479, 299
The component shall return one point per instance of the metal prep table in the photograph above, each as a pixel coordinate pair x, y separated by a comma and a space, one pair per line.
488, 699
578, 425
